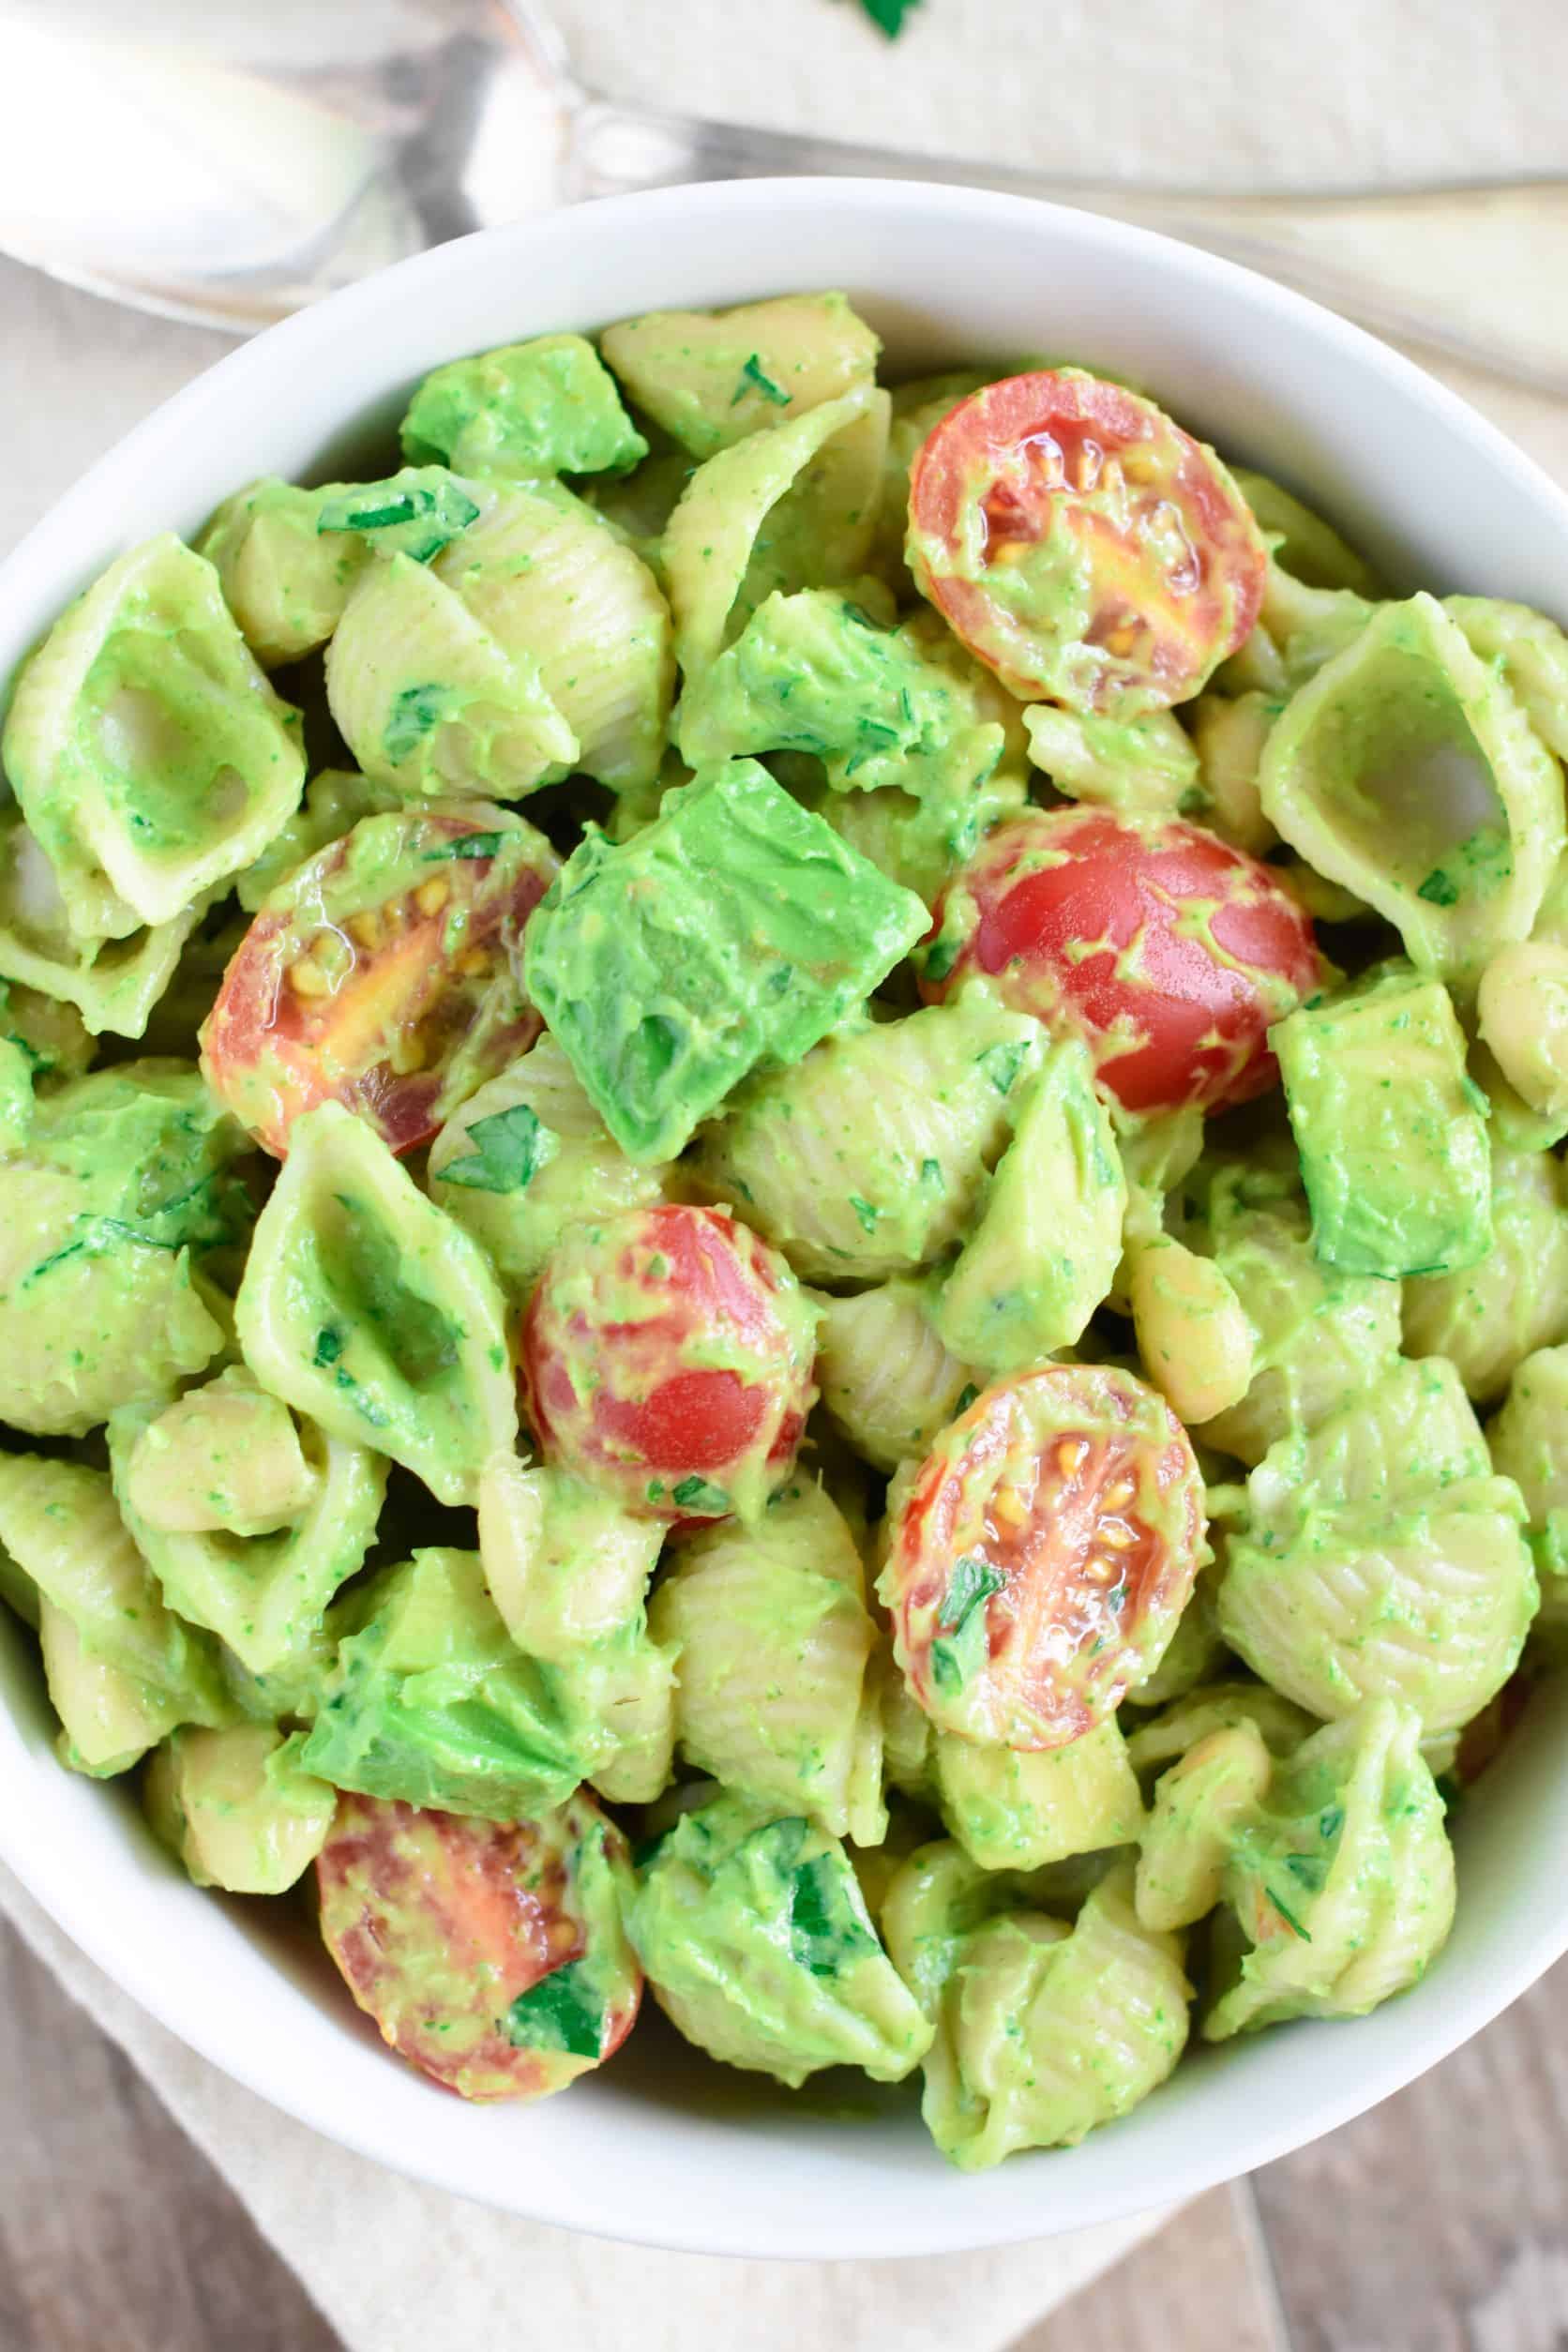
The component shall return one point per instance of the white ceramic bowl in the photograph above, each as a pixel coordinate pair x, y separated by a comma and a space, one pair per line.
663, 2147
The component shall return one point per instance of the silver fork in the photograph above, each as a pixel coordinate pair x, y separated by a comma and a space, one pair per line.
230, 173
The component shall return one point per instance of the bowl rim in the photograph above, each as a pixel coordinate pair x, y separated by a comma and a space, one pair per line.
45, 1870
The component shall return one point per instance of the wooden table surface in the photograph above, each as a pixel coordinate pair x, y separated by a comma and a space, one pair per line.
1436, 2224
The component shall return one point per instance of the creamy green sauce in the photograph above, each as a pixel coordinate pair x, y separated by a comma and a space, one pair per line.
944, 1700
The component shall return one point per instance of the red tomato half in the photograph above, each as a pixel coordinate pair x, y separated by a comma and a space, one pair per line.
1169, 952
381, 974
1043, 1556
666, 1357
1081, 545
491, 1956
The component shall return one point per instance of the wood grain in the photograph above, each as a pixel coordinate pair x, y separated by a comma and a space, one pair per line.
1436, 2224
1439, 2222
115, 2234
1205, 2282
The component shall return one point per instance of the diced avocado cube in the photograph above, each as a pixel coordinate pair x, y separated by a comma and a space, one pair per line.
1046, 1250
1391, 1131
736, 929
432, 1702
547, 407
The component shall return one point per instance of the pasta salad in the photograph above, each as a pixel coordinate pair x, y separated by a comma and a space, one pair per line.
780, 1219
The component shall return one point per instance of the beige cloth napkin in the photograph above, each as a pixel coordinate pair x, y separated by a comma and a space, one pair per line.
1224, 92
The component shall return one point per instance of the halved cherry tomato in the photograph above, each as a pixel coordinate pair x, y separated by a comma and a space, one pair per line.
1043, 1555
666, 1357
1166, 950
491, 1956
1083, 545
382, 973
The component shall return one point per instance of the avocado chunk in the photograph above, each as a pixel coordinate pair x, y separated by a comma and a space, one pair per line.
735, 930
434, 1704
1391, 1131
550, 406
1046, 1250
814, 673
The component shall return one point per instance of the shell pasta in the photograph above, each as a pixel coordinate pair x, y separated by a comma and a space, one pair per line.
783, 1220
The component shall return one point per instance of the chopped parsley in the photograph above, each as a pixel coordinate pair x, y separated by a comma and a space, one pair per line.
696, 1494
414, 713
888, 15
1290, 1920
562, 2011
509, 1148
1002, 1063
865, 1214
963, 1643
755, 378
1438, 889
426, 516
467, 845
826, 1936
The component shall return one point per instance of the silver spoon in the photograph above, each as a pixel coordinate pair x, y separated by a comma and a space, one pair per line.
191, 174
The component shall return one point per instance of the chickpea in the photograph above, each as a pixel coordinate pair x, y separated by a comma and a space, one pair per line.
1196, 1342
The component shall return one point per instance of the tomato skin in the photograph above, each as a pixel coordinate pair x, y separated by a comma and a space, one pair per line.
440, 1922
1081, 545
1167, 951
373, 967
620, 1381
1043, 1555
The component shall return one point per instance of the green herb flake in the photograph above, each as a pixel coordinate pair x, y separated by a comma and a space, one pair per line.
562, 2011
329, 1347
1001, 1064
509, 1148
414, 713
888, 15
429, 515
696, 1494
939, 961
466, 845
1288, 1917
755, 378
967, 1395
1438, 889
973, 1582
826, 1936
963, 1642
867, 1216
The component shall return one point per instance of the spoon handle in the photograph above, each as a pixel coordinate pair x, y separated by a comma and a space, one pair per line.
1474, 271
